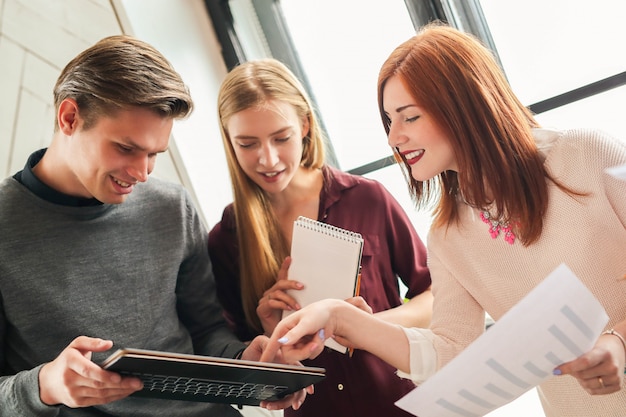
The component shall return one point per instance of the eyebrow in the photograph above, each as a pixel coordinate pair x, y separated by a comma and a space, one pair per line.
129, 142
279, 131
401, 108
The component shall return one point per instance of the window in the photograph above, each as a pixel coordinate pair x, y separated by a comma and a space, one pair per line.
549, 48
545, 48
342, 45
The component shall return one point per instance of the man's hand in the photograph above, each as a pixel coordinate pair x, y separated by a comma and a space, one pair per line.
74, 380
253, 352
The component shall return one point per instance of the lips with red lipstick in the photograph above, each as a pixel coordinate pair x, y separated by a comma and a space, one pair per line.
413, 156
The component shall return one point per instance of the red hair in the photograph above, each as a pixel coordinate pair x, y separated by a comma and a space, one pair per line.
459, 83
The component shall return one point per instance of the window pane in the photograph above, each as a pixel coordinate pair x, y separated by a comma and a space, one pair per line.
603, 111
550, 47
342, 44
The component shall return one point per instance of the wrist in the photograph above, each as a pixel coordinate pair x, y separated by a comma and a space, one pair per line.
347, 321
337, 316
44, 394
240, 353
613, 332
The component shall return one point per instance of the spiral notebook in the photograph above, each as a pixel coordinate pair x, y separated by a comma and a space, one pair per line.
327, 260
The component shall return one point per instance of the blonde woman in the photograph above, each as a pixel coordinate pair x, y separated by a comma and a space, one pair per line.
275, 154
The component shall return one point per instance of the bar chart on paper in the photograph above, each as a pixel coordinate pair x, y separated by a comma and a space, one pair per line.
515, 354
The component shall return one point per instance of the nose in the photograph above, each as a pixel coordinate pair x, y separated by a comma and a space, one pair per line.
268, 156
141, 167
395, 137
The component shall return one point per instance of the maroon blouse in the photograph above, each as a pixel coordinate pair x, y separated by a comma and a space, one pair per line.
361, 385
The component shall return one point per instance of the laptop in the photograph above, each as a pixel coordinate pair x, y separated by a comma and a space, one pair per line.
186, 377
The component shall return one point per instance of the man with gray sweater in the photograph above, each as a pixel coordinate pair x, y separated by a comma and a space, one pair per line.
94, 256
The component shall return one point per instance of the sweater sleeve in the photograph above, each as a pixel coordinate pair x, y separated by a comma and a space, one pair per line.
615, 188
422, 355
19, 395
458, 319
197, 302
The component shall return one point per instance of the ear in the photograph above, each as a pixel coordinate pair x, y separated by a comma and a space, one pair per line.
67, 116
305, 127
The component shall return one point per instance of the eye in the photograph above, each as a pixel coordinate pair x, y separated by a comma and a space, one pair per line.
124, 148
282, 139
245, 145
411, 119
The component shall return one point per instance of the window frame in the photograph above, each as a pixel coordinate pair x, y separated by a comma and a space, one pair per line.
272, 33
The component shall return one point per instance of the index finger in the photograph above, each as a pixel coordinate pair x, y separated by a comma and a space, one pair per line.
276, 341
270, 351
283, 273
582, 363
295, 345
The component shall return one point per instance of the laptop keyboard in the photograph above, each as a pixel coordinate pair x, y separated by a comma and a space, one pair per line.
198, 387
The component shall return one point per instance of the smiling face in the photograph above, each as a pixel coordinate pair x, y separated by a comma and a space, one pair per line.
108, 159
415, 134
268, 143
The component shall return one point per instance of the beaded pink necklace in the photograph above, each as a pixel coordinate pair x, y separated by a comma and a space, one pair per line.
496, 226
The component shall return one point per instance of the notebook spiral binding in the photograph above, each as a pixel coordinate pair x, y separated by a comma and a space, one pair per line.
329, 229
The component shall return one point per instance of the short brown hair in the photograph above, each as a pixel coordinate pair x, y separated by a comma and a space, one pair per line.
121, 72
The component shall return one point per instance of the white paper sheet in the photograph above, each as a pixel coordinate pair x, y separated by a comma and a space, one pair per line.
618, 172
556, 322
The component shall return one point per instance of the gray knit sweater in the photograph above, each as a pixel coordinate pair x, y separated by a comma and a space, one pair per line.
137, 273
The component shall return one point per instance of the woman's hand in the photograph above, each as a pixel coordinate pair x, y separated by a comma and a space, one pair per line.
276, 299
601, 370
301, 335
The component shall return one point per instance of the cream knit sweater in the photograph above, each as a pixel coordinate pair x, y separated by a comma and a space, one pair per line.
473, 273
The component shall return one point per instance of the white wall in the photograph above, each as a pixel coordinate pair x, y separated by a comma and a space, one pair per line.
182, 31
39, 37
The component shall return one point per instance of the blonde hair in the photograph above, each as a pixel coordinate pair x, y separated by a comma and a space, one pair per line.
262, 248
458, 81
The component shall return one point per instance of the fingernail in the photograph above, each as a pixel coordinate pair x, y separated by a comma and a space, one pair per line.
283, 340
321, 334
556, 372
